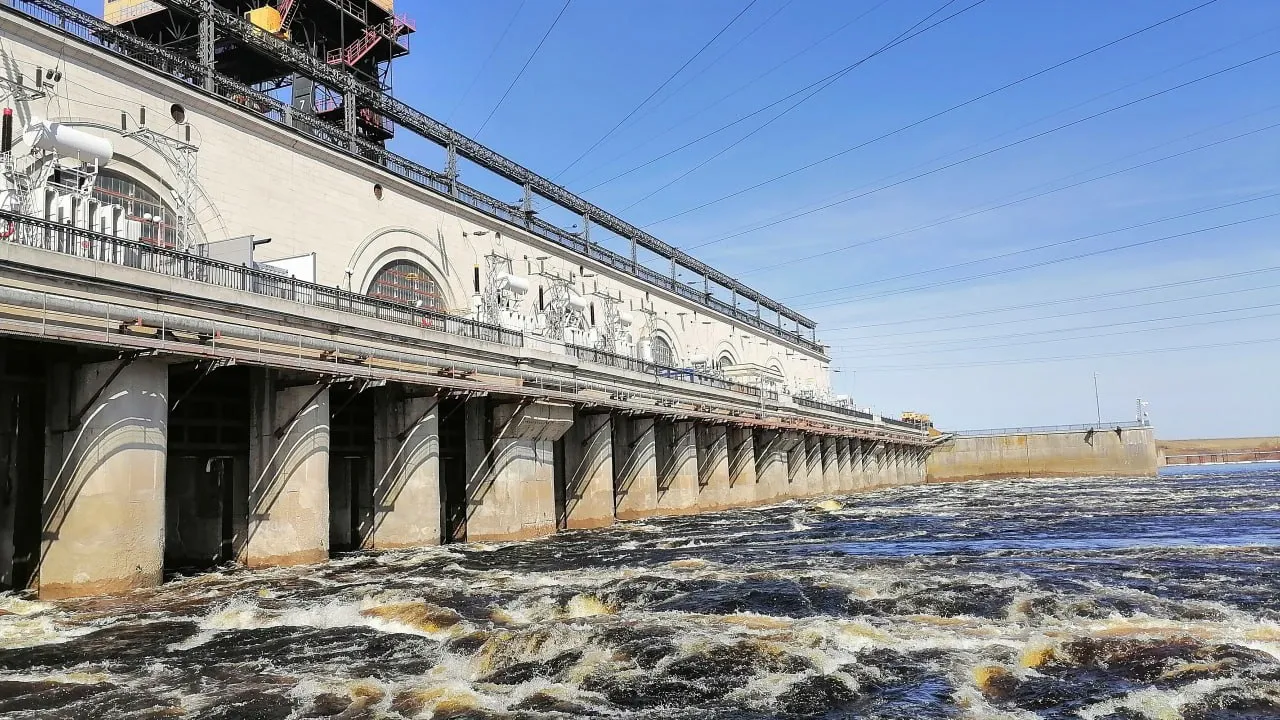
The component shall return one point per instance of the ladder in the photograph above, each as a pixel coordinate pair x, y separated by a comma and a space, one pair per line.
353, 53
288, 11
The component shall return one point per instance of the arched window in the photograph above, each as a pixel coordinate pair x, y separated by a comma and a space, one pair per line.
405, 281
662, 352
724, 361
158, 220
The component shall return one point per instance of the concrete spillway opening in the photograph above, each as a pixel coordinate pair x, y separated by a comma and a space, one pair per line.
23, 385
351, 450
453, 470
207, 466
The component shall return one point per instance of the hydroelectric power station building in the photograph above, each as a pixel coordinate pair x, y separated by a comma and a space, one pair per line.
234, 326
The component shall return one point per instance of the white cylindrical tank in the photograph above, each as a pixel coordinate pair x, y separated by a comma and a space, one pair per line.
514, 283
626, 320
577, 302
68, 142
698, 359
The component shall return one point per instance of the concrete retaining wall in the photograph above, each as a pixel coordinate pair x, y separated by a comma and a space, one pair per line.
1105, 453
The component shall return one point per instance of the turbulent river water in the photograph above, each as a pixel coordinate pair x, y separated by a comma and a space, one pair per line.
1118, 599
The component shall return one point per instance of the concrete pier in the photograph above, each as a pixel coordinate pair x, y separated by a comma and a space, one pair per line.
588, 500
830, 467
677, 457
104, 507
742, 467
406, 491
844, 466
771, 450
289, 472
635, 467
798, 466
713, 466
511, 493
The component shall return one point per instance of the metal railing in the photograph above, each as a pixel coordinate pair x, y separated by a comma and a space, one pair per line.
77, 242
624, 362
67, 19
818, 405
1046, 429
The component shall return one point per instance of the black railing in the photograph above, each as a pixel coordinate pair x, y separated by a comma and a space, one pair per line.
68, 240
841, 409
902, 424
604, 357
185, 70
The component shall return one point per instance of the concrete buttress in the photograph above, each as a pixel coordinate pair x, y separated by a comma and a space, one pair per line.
635, 467
798, 466
104, 504
742, 467
830, 467
771, 450
677, 454
713, 466
588, 471
511, 493
288, 473
406, 462
844, 466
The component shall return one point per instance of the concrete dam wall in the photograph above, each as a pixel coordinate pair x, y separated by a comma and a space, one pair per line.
1114, 451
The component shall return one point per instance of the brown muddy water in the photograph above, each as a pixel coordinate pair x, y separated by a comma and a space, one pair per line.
1118, 599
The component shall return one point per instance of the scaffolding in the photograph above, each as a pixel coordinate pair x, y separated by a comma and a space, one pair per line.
362, 37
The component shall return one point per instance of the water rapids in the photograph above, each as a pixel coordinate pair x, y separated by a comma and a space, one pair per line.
1095, 599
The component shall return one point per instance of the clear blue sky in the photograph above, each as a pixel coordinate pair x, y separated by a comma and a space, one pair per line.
891, 342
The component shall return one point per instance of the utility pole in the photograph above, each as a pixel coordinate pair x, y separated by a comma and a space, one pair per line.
1097, 403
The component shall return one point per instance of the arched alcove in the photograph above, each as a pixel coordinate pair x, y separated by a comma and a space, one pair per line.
405, 281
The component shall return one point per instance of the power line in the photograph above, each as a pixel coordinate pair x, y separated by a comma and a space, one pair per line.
992, 151
722, 98
1066, 358
934, 116
1061, 301
1036, 333
819, 84
657, 90
524, 67
484, 65
901, 38
716, 60
1037, 248
1043, 263
986, 208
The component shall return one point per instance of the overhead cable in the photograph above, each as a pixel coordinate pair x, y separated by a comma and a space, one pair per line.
1037, 248
524, 67
934, 116
1054, 261
656, 90
906, 35
994, 150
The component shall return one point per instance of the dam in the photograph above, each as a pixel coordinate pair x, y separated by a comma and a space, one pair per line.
238, 329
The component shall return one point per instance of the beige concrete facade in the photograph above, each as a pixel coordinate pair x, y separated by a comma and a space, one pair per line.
635, 467
1102, 453
588, 450
406, 491
104, 507
677, 455
311, 199
289, 473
